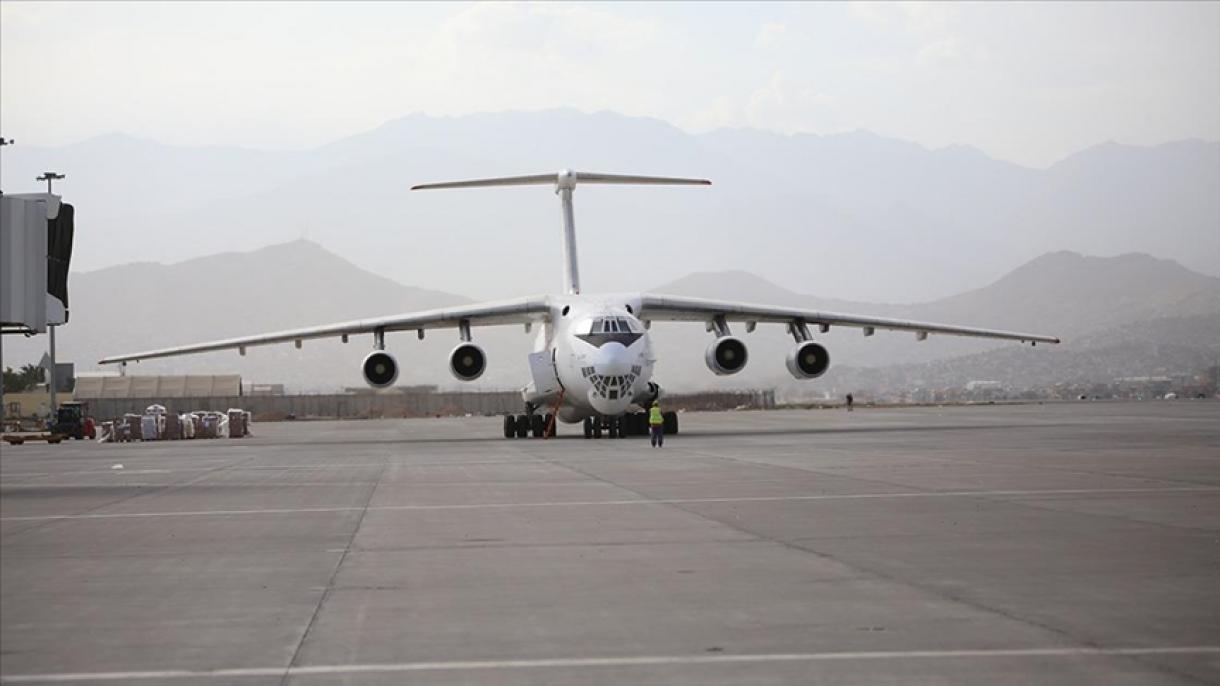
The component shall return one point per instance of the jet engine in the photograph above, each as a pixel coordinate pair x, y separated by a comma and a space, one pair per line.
726, 355
467, 361
380, 369
648, 395
808, 360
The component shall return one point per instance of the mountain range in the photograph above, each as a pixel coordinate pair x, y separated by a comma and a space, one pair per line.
1134, 304
853, 216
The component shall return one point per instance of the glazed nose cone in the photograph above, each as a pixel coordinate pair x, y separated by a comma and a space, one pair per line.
612, 360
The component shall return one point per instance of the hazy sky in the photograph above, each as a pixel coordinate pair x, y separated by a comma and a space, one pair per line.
1029, 83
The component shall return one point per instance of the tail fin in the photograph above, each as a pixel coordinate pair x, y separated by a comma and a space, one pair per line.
565, 182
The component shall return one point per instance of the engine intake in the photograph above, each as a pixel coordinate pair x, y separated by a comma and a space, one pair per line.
726, 355
380, 369
467, 362
648, 395
808, 360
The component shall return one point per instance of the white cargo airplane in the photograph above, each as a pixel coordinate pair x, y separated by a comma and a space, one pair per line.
593, 359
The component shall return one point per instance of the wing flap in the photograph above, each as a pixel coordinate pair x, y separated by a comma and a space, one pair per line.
677, 308
482, 314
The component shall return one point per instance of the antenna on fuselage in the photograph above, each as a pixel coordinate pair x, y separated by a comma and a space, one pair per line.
565, 182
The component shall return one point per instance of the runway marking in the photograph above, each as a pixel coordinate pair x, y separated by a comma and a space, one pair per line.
637, 661
108, 472
617, 503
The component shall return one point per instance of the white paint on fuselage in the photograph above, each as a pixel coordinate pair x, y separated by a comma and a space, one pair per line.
583, 367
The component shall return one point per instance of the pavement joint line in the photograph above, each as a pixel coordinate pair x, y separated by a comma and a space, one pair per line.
330, 584
628, 661
616, 503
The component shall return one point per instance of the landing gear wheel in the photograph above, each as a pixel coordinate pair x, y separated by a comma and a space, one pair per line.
510, 426
588, 427
624, 425
612, 427
597, 428
537, 425
523, 425
671, 422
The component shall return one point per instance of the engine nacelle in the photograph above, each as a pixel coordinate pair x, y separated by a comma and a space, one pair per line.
648, 395
726, 355
808, 360
467, 362
380, 369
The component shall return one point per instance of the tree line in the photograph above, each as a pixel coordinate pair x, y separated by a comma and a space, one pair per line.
25, 379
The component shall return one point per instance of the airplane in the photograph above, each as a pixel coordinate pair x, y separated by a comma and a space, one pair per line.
593, 358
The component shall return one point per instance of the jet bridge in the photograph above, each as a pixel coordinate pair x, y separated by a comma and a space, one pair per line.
36, 232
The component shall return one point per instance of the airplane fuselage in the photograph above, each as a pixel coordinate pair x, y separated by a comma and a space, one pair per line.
602, 357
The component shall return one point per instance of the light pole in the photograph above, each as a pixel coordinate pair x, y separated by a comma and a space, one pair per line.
3, 410
49, 177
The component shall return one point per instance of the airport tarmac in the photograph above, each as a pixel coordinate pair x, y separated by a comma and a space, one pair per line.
1073, 543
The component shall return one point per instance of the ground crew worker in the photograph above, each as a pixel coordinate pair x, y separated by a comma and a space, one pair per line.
850, 401
656, 425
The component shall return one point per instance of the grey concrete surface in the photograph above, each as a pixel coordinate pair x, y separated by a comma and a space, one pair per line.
1058, 543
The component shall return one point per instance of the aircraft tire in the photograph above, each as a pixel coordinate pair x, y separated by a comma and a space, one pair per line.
612, 427
510, 426
597, 428
671, 422
624, 426
588, 427
523, 425
537, 425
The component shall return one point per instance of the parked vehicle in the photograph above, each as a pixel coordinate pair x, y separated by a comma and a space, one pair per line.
70, 421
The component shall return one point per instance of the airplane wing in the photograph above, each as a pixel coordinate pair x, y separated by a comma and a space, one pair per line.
655, 307
519, 311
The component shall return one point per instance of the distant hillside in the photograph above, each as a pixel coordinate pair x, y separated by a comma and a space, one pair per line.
1157, 347
142, 306
1063, 294
853, 216
1094, 303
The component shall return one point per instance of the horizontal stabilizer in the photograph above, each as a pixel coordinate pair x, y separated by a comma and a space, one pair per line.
565, 179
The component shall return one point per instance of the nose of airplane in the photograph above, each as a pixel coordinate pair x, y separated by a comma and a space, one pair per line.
608, 407
612, 360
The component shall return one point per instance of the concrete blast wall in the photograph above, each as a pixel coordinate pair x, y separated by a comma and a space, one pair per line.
276, 407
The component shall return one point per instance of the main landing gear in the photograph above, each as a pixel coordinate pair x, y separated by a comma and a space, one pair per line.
525, 425
631, 424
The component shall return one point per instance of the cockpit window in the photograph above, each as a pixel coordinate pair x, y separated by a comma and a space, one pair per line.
613, 325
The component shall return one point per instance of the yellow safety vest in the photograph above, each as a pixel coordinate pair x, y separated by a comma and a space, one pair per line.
654, 417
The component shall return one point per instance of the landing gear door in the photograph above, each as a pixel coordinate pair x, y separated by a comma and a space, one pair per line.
542, 369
